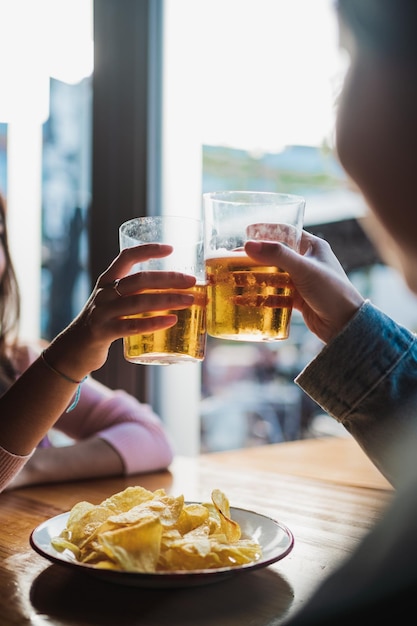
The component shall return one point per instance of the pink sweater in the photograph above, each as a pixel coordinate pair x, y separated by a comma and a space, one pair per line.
130, 427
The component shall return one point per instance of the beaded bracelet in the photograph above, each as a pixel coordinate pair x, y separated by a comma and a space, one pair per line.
68, 379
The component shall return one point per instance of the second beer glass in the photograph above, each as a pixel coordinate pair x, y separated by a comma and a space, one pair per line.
248, 301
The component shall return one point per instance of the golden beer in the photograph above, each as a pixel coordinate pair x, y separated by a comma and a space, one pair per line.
247, 301
186, 341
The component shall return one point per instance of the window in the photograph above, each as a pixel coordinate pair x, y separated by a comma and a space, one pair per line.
42, 184
249, 96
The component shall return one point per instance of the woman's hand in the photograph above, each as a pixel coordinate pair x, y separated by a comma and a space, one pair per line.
324, 294
83, 346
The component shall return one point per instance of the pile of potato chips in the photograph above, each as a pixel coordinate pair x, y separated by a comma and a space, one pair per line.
137, 530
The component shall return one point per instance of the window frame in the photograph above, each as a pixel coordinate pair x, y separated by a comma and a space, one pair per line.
125, 143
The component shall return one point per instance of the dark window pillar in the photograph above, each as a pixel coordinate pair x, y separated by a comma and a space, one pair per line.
125, 39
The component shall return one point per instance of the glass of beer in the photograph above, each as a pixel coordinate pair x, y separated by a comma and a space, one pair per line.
247, 301
185, 342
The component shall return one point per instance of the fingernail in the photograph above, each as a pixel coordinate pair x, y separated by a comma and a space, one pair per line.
255, 246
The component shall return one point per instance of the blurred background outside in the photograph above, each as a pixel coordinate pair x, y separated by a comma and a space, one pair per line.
271, 131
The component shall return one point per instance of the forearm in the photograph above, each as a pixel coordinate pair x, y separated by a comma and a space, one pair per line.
31, 407
92, 458
366, 379
129, 426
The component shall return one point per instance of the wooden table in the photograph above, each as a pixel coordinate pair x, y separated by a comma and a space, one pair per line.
325, 490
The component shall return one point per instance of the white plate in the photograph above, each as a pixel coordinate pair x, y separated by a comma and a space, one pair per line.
275, 539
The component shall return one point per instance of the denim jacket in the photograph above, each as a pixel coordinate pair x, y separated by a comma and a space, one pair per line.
366, 378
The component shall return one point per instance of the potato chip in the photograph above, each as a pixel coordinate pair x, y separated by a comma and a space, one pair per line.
60, 544
230, 528
137, 530
130, 497
192, 516
135, 548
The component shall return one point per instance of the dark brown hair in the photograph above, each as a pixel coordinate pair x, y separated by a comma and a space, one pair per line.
9, 308
388, 27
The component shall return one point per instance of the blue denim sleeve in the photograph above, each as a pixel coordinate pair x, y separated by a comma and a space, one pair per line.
366, 378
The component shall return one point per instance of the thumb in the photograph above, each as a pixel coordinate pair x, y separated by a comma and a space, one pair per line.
275, 253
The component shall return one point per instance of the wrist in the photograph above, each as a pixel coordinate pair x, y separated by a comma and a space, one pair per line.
63, 376
46, 360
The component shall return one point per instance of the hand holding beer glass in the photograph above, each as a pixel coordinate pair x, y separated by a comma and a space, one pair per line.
184, 342
245, 300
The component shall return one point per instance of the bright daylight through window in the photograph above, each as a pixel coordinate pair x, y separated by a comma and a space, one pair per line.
250, 96
30, 31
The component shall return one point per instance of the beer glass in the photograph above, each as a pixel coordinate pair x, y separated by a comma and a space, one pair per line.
247, 301
186, 341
